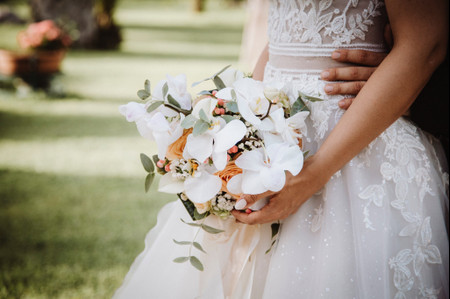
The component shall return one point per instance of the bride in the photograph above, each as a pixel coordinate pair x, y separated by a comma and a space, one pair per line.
366, 217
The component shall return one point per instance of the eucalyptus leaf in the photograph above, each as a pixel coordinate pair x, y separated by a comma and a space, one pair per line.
232, 107
212, 77
203, 116
154, 105
182, 242
181, 259
298, 106
147, 163
221, 71
305, 154
200, 127
148, 181
228, 118
143, 94
198, 216
233, 95
147, 86
191, 223
165, 89
205, 92
309, 98
190, 207
271, 246
188, 122
196, 263
199, 247
219, 83
210, 229
173, 102
275, 229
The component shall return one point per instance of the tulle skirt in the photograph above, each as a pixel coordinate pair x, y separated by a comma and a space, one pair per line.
376, 230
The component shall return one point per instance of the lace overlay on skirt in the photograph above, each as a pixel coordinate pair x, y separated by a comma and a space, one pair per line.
376, 230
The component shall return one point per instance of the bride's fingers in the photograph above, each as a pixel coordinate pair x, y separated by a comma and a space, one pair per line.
247, 200
265, 215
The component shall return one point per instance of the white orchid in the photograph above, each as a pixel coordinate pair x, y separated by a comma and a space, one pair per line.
250, 98
276, 128
193, 178
230, 75
155, 125
215, 141
177, 89
264, 170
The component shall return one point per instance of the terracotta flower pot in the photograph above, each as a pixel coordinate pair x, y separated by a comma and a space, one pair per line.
38, 62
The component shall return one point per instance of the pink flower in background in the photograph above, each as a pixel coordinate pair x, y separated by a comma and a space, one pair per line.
45, 35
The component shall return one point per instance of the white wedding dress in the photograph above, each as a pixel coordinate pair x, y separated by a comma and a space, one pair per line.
376, 230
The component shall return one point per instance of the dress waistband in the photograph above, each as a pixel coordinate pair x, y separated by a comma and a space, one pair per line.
304, 64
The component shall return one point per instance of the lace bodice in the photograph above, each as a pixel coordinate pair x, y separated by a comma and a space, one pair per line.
302, 32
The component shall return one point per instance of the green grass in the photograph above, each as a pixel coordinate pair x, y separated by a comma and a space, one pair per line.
73, 212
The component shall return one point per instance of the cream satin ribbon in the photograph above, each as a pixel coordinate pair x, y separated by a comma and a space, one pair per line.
239, 255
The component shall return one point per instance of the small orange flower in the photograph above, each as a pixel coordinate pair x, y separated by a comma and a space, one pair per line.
175, 150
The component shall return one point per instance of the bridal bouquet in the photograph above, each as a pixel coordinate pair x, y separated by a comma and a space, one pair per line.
238, 138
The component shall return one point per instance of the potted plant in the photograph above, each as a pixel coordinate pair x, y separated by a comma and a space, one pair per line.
45, 45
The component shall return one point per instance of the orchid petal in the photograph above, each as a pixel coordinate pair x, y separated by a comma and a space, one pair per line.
288, 158
251, 160
158, 122
225, 94
169, 184
163, 140
132, 111
202, 189
143, 129
229, 76
219, 159
200, 147
273, 178
229, 135
247, 113
207, 104
234, 185
266, 125
251, 183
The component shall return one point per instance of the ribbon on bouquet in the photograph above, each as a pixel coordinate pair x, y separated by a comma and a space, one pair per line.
234, 257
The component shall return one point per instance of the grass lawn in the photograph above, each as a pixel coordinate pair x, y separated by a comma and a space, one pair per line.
73, 212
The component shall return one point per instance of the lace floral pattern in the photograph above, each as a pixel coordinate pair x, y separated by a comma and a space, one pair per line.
310, 21
406, 165
403, 168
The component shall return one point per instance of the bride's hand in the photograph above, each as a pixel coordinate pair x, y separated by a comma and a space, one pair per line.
296, 191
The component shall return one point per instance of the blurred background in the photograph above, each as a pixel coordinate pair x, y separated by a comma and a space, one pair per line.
73, 211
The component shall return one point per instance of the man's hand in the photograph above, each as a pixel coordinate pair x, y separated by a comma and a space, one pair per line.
355, 76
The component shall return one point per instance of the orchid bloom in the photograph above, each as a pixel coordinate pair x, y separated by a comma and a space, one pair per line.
250, 99
230, 75
219, 138
200, 186
279, 129
154, 125
264, 170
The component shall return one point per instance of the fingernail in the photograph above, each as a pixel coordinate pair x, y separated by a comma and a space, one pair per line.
341, 104
325, 74
328, 88
335, 55
241, 203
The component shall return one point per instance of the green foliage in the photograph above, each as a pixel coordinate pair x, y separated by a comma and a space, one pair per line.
73, 213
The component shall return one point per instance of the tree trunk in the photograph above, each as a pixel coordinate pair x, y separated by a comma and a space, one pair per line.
198, 5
